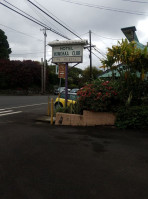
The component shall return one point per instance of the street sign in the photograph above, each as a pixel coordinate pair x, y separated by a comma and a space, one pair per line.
67, 54
67, 60
61, 71
68, 51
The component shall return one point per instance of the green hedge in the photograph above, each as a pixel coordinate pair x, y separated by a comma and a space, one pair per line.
132, 117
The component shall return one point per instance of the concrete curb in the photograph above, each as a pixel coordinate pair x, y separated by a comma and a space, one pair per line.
45, 119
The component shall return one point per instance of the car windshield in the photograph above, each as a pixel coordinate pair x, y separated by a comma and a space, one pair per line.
74, 90
61, 89
62, 95
70, 96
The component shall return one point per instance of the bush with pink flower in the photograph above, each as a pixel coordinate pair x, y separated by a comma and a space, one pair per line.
98, 96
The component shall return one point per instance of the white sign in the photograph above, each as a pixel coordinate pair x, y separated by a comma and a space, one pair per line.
67, 59
67, 54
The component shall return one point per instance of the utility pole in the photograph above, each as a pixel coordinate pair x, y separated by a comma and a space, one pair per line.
42, 76
44, 67
90, 56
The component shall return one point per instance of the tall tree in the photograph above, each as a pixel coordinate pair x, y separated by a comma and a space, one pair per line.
95, 73
4, 46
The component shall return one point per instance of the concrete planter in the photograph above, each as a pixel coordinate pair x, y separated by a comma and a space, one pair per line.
88, 118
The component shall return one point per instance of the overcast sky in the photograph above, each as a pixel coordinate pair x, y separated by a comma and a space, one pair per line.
104, 18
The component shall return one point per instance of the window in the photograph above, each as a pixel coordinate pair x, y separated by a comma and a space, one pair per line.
73, 97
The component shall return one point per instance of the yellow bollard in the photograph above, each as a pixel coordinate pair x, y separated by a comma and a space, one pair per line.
48, 112
51, 118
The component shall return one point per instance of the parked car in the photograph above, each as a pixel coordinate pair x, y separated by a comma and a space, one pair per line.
60, 100
60, 90
74, 90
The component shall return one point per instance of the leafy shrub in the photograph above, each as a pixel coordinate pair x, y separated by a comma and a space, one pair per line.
62, 109
132, 117
72, 109
17, 74
98, 96
134, 87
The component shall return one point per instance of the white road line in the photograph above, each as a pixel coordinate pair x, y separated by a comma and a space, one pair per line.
26, 106
10, 113
2, 109
5, 111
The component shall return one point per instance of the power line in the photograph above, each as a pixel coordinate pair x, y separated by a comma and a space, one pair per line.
30, 16
21, 32
24, 12
55, 16
42, 17
93, 53
135, 1
84, 34
52, 30
37, 22
55, 19
107, 8
28, 53
25, 53
105, 37
99, 52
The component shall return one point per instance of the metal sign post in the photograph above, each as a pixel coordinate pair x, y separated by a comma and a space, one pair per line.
66, 84
65, 52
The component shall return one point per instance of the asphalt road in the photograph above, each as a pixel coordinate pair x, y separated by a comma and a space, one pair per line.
12, 105
40, 161
16, 101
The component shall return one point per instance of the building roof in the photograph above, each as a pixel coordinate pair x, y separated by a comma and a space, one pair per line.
69, 42
130, 34
109, 73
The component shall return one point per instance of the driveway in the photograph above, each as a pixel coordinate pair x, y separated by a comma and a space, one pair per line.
40, 161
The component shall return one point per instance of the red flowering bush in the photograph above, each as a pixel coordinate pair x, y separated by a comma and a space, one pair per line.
99, 96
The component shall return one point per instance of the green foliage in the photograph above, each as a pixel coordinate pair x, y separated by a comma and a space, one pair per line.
19, 75
25, 75
74, 80
51, 68
86, 74
4, 46
132, 89
144, 100
134, 58
132, 83
63, 110
72, 109
98, 96
76, 76
51, 78
132, 117
75, 108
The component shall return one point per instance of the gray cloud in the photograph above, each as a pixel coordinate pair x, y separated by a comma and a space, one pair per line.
80, 19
